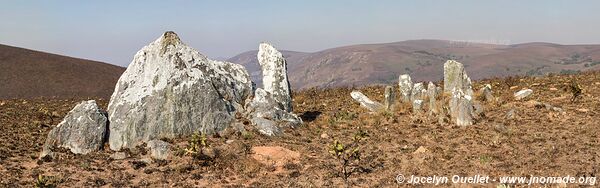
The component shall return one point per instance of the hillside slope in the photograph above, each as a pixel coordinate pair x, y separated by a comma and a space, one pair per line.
382, 63
26, 73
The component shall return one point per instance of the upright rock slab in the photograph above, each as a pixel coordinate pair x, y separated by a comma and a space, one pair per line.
171, 90
366, 102
405, 84
432, 95
418, 92
461, 108
83, 130
275, 79
390, 97
486, 93
455, 76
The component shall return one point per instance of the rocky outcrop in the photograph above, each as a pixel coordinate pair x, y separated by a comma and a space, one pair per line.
366, 102
405, 84
171, 90
82, 131
523, 93
455, 76
390, 97
275, 79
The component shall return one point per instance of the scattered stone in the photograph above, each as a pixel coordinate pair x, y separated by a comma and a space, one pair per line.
159, 149
389, 97
171, 90
118, 156
584, 110
486, 93
275, 79
405, 84
553, 89
229, 141
275, 156
461, 108
83, 130
511, 114
455, 77
478, 109
513, 87
324, 136
366, 102
417, 106
501, 128
523, 93
432, 94
421, 150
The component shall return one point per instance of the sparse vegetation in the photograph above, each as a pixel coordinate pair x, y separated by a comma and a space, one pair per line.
45, 182
575, 90
348, 154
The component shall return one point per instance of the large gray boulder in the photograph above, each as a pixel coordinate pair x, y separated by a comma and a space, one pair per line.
275, 79
455, 77
82, 131
171, 90
405, 84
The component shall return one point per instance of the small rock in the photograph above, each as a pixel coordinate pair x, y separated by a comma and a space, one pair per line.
229, 141
513, 87
523, 93
421, 150
511, 114
118, 155
486, 92
584, 110
417, 106
553, 89
324, 136
159, 149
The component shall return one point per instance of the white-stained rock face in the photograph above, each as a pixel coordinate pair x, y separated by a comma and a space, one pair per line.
455, 76
390, 97
418, 92
366, 102
275, 79
171, 90
523, 93
405, 84
83, 130
461, 108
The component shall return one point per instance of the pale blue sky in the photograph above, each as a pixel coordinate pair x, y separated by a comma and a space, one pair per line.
112, 31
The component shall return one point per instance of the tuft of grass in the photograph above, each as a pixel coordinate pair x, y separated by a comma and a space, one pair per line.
45, 182
575, 90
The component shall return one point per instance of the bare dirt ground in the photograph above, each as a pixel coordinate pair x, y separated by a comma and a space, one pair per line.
536, 142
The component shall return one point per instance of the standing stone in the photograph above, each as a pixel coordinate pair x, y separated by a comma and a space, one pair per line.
389, 97
455, 76
523, 93
417, 92
366, 102
486, 93
269, 115
432, 94
405, 84
461, 108
83, 130
171, 90
417, 106
275, 79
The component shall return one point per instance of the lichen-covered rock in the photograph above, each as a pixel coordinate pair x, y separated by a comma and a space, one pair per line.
455, 76
275, 79
366, 102
83, 130
171, 90
405, 84
418, 92
389, 97
268, 115
417, 106
432, 95
523, 93
486, 93
159, 149
461, 108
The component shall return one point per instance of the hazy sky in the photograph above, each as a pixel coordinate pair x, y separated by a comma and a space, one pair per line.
112, 31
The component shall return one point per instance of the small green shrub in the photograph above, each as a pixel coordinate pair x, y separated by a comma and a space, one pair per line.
348, 154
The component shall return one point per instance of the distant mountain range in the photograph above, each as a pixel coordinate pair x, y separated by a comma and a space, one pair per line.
26, 73
423, 59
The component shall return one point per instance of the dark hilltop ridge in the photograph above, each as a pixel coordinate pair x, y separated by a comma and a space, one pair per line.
28, 74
